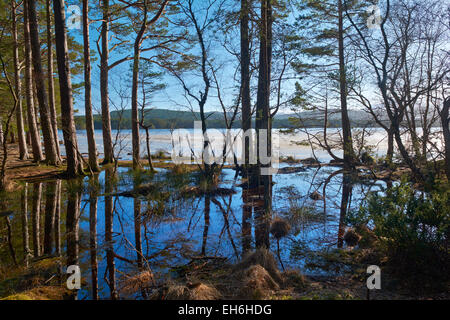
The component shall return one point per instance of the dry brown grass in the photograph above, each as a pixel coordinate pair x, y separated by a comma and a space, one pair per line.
137, 283
264, 258
257, 283
199, 291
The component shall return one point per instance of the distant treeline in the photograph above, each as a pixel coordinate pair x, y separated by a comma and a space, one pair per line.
167, 119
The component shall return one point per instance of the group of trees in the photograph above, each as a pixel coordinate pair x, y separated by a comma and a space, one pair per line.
21, 32
338, 54
394, 65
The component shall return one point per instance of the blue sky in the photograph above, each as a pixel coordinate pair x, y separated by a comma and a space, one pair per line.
172, 97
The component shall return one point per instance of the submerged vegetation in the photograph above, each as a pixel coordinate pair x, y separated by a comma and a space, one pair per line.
243, 216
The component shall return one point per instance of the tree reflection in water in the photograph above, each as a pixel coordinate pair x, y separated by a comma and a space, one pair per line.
163, 231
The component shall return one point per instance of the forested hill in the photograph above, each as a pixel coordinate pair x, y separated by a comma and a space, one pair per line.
165, 119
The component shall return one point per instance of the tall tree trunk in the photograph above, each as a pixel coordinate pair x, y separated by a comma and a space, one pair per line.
390, 150
90, 130
445, 120
267, 118
51, 156
29, 92
23, 150
262, 178
134, 91
74, 161
245, 82
104, 70
51, 87
263, 117
134, 101
263, 94
349, 156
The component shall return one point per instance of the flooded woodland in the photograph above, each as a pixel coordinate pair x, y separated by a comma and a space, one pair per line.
224, 150
142, 235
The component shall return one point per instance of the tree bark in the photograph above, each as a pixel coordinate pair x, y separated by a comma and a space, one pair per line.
104, 70
262, 180
29, 92
90, 130
349, 156
134, 98
245, 82
74, 161
390, 150
51, 156
23, 150
51, 87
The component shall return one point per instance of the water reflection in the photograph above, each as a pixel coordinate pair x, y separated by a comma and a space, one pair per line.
93, 201
247, 210
50, 213
73, 226
109, 243
24, 215
347, 188
35, 218
112, 237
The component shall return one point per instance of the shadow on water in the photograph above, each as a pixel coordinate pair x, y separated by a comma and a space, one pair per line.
112, 237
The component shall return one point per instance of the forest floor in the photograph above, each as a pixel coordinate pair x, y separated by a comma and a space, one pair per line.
27, 170
211, 278
248, 280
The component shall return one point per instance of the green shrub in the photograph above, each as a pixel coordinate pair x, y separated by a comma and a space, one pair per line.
413, 228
